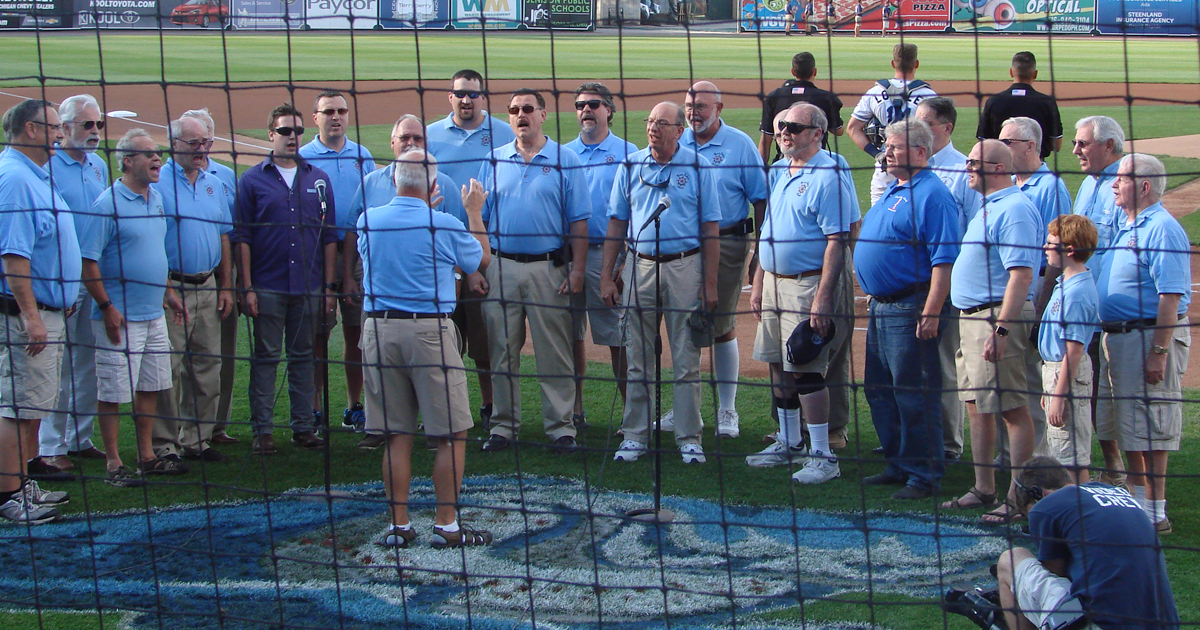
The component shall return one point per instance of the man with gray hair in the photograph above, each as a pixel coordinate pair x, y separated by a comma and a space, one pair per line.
125, 268
1145, 286
1044, 188
411, 363
41, 280
79, 175
905, 254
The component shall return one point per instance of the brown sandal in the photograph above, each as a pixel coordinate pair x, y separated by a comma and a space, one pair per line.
464, 537
985, 501
1010, 516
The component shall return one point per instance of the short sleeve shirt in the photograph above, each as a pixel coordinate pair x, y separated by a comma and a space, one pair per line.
738, 169
795, 91
601, 162
950, 165
345, 170
642, 183
806, 207
1072, 314
228, 180
79, 183
530, 205
460, 152
1097, 202
197, 217
1006, 234
379, 188
1151, 256
126, 234
35, 224
1048, 192
780, 168
1020, 99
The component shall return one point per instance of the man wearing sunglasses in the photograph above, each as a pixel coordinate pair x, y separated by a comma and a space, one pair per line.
742, 183
537, 213
40, 281
602, 152
346, 163
79, 175
664, 172
462, 140
198, 255
286, 241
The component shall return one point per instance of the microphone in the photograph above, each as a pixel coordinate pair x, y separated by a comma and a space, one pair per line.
320, 185
663, 204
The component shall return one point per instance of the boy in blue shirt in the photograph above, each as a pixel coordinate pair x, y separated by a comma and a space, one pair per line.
1069, 323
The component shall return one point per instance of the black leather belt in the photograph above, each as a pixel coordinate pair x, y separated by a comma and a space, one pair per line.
667, 257
1120, 328
982, 307
745, 226
794, 276
524, 258
9, 306
920, 287
394, 314
191, 278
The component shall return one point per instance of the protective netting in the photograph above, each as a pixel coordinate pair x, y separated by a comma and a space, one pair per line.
814, 480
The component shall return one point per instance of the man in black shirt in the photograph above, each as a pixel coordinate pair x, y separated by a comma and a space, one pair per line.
1020, 99
804, 68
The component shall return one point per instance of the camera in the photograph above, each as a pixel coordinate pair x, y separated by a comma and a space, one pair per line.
981, 607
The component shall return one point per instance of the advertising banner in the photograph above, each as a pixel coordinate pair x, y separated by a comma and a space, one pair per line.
1024, 16
36, 14
252, 15
414, 13
142, 13
559, 14
341, 14
476, 14
920, 15
917, 15
1148, 17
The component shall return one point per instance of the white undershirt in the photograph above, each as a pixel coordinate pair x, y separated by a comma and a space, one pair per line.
289, 174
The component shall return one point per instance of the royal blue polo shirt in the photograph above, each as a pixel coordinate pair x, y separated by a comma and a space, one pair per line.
738, 169
36, 224
126, 234
197, 216
1007, 233
460, 152
531, 205
378, 189
641, 183
1072, 314
1150, 256
805, 208
601, 162
346, 169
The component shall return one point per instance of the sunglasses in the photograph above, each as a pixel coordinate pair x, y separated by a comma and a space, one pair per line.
1009, 141
88, 124
287, 131
465, 94
528, 109
47, 125
157, 153
594, 104
341, 111
201, 143
795, 127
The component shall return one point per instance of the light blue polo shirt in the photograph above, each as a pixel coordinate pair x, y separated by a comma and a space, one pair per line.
228, 180
738, 168
780, 168
950, 165
379, 188
35, 224
460, 152
601, 162
805, 208
640, 184
1072, 314
127, 236
530, 206
1048, 193
1097, 201
409, 253
912, 228
197, 216
346, 169
79, 183
1007, 233
1150, 256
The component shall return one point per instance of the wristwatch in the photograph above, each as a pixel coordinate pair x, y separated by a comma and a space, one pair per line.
1001, 331
1158, 349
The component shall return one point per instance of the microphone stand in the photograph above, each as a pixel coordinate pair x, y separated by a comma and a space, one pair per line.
324, 431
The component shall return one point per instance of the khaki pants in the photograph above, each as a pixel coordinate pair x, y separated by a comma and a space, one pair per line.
678, 295
520, 292
188, 411
953, 409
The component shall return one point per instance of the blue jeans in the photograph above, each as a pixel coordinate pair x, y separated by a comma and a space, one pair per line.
903, 383
283, 318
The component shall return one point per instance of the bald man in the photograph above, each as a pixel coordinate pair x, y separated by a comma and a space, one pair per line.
991, 287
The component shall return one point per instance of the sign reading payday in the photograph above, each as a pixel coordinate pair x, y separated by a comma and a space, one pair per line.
1148, 17
476, 14
1024, 16
559, 14
414, 13
341, 14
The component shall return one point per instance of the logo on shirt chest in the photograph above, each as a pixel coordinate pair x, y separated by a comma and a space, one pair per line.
801, 189
485, 140
99, 175
358, 166
681, 180
161, 211
610, 159
717, 158
1056, 307
899, 200
1132, 242
546, 170
209, 190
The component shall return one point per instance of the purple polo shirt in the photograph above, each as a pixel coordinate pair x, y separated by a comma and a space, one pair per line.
284, 227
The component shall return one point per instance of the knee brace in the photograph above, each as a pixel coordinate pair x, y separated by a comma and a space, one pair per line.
791, 402
809, 383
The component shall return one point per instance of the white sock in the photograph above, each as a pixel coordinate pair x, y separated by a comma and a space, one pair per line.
449, 529
819, 434
403, 528
789, 427
1156, 510
1139, 493
727, 365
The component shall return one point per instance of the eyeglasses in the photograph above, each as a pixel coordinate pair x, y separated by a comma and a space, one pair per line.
795, 127
978, 163
465, 94
87, 124
528, 109
594, 104
1010, 141
287, 131
661, 123
1081, 143
47, 125
199, 143
409, 138
699, 107
156, 153
341, 111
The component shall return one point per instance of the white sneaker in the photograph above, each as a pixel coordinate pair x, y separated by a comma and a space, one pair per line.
692, 454
727, 423
34, 495
19, 510
667, 422
819, 469
629, 451
777, 454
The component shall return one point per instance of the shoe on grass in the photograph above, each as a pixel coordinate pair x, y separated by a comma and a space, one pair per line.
727, 423
629, 451
20, 510
397, 538
692, 454
464, 537
123, 477
777, 454
355, 417
372, 441
819, 469
667, 422
35, 495
162, 466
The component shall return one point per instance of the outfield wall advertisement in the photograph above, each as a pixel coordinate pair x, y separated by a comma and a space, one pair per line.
1149, 17
414, 13
1025, 16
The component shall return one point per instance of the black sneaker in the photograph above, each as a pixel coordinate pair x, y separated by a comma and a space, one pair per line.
565, 445
496, 442
43, 470
485, 417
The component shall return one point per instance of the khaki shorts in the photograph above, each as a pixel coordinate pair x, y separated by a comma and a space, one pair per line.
995, 387
351, 313
731, 277
785, 304
1071, 444
29, 385
586, 306
411, 368
1148, 417
141, 361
